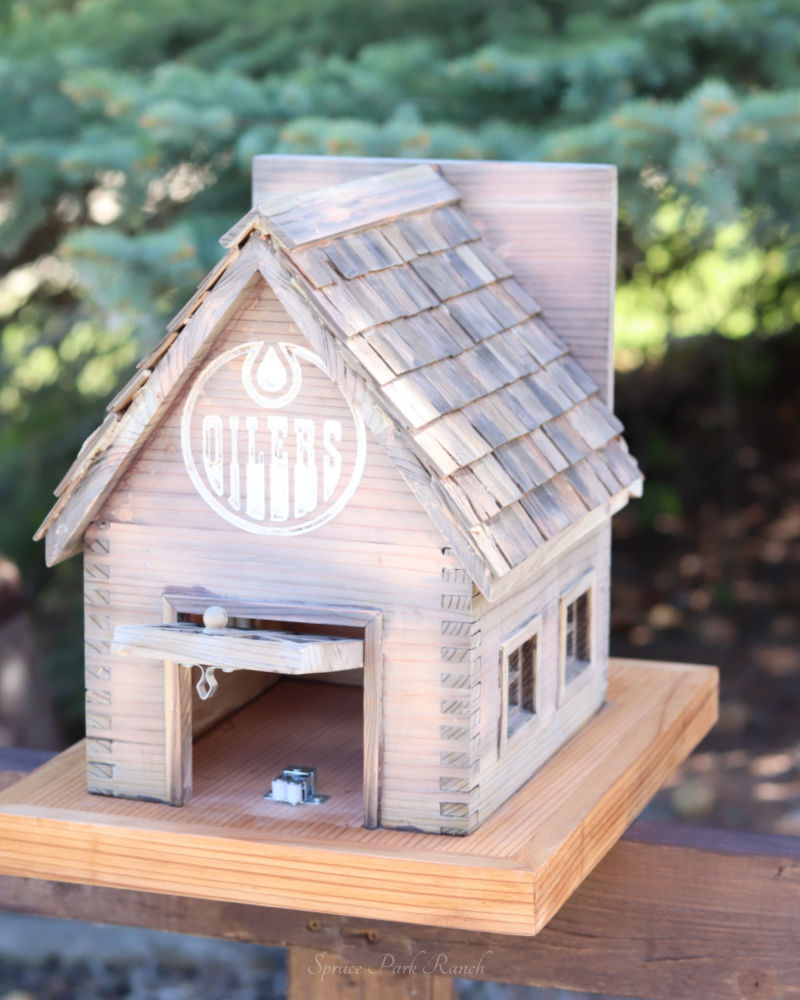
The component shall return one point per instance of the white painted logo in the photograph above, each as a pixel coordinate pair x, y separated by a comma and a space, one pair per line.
263, 459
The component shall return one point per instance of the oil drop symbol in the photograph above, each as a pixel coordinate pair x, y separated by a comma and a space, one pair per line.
271, 375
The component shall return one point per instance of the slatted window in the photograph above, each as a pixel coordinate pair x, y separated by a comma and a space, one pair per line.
519, 667
521, 684
577, 636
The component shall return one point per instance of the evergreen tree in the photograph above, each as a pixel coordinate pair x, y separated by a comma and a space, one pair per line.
127, 134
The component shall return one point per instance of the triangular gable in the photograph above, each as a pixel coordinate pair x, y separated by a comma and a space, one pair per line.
494, 425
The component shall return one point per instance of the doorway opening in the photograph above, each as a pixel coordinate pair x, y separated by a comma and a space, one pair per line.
294, 686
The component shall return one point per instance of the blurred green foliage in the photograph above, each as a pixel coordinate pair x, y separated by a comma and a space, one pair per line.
126, 133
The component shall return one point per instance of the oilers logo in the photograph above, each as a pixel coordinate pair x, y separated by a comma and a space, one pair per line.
260, 445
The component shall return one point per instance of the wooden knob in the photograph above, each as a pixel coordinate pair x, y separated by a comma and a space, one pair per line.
215, 617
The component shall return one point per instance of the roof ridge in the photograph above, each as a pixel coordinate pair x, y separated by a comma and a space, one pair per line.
303, 219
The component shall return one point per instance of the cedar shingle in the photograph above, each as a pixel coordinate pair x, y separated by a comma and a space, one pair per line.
315, 266
603, 473
481, 500
496, 480
487, 368
470, 313
469, 267
525, 463
454, 225
565, 381
579, 374
503, 306
487, 256
545, 507
422, 235
514, 533
528, 305
438, 273
513, 352
343, 258
548, 450
525, 403
450, 380
586, 484
561, 433
540, 340
596, 432
503, 412
455, 434
391, 232
615, 455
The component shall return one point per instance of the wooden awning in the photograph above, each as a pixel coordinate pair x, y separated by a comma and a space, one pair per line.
240, 649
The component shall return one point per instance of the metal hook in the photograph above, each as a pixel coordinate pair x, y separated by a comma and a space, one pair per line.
207, 686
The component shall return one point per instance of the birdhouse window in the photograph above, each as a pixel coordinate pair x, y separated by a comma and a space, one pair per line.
576, 633
519, 666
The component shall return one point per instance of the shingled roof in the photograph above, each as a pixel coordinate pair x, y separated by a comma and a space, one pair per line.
494, 424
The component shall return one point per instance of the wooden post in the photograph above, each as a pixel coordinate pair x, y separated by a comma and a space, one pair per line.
177, 722
373, 712
320, 975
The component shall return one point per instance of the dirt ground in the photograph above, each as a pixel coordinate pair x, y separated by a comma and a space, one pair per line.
707, 564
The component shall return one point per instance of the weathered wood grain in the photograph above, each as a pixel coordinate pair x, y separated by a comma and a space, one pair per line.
554, 226
372, 724
240, 649
433, 499
102, 464
303, 219
373, 553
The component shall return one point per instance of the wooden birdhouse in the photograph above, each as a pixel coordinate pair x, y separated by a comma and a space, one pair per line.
346, 533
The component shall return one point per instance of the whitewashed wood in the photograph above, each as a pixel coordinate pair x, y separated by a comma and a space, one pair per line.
372, 682
379, 553
347, 207
129, 743
396, 546
240, 649
555, 224
506, 765
102, 463
194, 600
553, 549
178, 692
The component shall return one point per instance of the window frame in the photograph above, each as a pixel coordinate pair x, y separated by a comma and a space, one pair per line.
583, 585
529, 723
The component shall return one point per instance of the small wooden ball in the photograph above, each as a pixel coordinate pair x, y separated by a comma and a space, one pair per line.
215, 617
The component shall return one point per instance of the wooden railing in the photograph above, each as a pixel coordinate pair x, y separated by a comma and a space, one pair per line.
671, 912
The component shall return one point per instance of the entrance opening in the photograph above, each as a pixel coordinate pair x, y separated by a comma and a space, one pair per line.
294, 722
281, 687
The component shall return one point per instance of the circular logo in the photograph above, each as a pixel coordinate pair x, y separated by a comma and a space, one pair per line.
269, 442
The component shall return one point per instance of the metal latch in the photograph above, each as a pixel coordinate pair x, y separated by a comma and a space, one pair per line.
296, 786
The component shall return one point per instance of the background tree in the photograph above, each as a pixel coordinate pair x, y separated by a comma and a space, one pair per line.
127, 134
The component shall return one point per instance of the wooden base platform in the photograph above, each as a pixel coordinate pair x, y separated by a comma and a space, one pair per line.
229, 844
